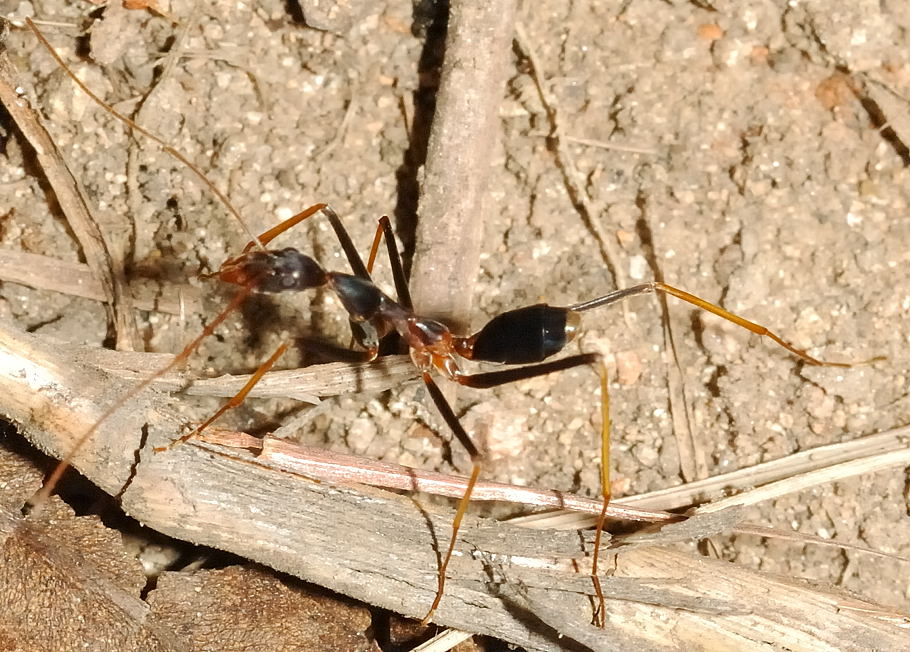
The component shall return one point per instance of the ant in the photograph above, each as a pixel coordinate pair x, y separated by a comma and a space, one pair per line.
525, 336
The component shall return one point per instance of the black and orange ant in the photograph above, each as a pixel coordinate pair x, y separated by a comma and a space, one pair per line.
525, 337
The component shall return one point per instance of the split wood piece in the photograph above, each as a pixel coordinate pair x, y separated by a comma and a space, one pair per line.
307, 384
319, 463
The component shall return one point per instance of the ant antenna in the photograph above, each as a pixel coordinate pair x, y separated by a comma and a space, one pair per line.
145, 132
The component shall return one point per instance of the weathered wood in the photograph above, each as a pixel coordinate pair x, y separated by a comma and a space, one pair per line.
380, 547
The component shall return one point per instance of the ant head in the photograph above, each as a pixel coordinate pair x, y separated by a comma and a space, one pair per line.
285, 270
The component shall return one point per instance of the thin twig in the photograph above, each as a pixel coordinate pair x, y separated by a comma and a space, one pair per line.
780, 469
613, 146
444, 641
77, 279
808, 479
71, 198
788, 475
465, 127
602, 144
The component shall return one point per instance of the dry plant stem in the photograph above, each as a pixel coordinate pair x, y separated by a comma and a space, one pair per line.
573, 180
614, 146
311, 462
808, 479
802, 539
692, 462
788, 475
450, 226
465, 127
766, 472
104, 264
527, 587
76, 279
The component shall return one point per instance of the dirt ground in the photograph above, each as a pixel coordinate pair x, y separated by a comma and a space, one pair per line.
732, 148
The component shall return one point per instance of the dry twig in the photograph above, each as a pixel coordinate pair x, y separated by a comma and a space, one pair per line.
77, 279
107, 268
465, 126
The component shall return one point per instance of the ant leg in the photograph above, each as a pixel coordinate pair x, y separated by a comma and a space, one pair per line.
600, 611
496, 378
374, 248
264, 238
337, 353
238, 398
384, 227
267, 236
462, 436
758, 329
401, 283
234, 401
350, 251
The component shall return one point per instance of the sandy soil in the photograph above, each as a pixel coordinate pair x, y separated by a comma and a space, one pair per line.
735, 151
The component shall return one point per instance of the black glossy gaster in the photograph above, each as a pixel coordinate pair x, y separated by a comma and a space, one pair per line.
522, 336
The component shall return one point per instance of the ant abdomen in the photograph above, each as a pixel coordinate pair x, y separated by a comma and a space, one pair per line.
524, 335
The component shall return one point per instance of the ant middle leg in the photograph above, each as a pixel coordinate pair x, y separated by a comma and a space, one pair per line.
384, 229
233, 402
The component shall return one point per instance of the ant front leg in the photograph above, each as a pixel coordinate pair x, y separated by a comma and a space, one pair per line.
341, 233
